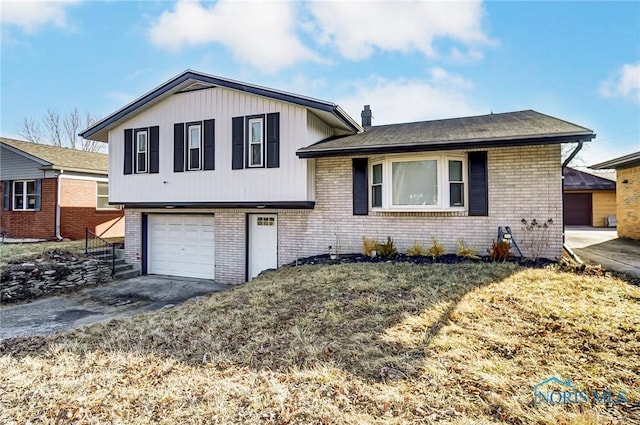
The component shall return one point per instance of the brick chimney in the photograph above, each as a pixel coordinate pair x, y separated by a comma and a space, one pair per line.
366, 116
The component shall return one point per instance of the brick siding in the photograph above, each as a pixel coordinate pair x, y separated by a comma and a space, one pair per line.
78, 211
33, 224
628, 200
523, 183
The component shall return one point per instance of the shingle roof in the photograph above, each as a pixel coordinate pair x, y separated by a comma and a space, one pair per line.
62, 158
579, 180
627, 161
493, 130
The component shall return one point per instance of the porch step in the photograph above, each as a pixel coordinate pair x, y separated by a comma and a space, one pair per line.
122, 269
127, 273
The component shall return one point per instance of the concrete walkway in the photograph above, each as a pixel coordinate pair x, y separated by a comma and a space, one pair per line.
96, 304
602, 246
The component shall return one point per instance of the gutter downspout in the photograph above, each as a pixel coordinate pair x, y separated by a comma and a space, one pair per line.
564, 165
58, 236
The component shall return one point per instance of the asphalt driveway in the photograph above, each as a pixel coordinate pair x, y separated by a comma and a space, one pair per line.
602, 246
117, 299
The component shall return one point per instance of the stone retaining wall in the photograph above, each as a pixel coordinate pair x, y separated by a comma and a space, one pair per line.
41, 277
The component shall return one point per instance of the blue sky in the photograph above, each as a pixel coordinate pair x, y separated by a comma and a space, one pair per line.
410, 61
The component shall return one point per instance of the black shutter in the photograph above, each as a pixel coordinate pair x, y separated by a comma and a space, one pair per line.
178, 147
273, 140
6, 195
209, 145
478, 184
128, 151
360, 186
154, 149
237, 143
38, 200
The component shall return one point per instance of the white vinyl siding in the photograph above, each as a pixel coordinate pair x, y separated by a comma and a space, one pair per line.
288, 182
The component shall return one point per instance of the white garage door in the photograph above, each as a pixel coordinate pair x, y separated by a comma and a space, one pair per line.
181, 245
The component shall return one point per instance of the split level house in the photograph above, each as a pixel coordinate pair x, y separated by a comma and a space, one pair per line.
51, 192
222, 179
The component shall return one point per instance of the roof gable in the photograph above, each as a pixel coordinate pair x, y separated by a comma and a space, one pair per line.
59, 158
493, 130
579, 180
626, 161
191, 80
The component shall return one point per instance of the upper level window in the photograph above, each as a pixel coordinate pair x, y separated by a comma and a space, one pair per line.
102, 197
24, 195
142, 144
418, 183
256, 142
194, 143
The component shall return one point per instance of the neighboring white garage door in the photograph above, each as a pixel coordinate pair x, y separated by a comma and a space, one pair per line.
181, 245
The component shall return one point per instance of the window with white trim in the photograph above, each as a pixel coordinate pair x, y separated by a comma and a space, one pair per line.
256, 142
24, 195
102, 197
142, 148
418, 183
194, 146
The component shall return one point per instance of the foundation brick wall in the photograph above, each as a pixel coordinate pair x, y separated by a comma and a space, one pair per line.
78, 211
628, 202
33, 224
523, 183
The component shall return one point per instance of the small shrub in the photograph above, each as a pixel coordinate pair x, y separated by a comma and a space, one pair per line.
387, 249
499, 250
436, 249
417, 250
536, 236
368, 246
465, 251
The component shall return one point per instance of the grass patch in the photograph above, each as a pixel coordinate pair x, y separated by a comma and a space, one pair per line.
354, 343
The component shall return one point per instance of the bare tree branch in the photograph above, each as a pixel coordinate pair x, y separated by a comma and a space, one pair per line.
31, 130
54, 129
52, 126
71, 124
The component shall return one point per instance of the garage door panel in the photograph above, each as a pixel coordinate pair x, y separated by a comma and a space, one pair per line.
577, 209
181, 245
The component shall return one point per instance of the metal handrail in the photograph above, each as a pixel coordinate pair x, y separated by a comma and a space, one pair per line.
94, 243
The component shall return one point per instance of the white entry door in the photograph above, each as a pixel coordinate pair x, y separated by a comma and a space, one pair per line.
263, 243
181, 245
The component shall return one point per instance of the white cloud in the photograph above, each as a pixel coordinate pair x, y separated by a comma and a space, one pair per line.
625, 83
30, 15
444, 95
261, 34
358, 29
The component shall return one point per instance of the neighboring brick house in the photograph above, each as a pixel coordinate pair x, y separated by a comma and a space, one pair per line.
589, 199
628, 193
50, 192
223, 179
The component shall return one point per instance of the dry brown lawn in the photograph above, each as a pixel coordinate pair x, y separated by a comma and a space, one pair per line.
344, 344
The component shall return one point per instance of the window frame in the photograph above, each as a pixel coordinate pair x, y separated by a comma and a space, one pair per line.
373, 184
24, 195
137, 133
443, 186
99, 196
200, 147
250, 143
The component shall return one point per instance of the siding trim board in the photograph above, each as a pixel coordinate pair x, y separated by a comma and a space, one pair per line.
296, 205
